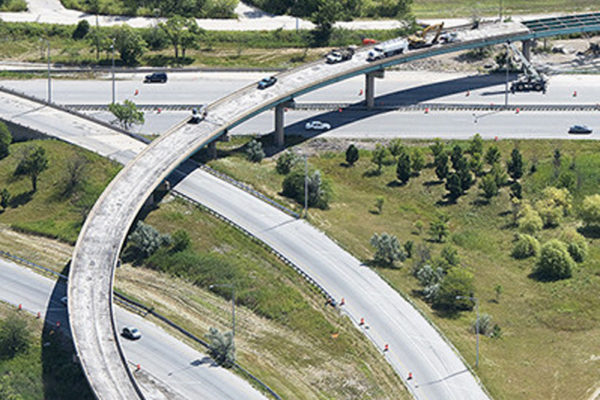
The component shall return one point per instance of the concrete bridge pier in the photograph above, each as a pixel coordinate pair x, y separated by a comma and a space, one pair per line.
526, 48
280, 122
212, 150
370, 86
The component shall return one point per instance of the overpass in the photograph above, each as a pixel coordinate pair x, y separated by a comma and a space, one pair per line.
102, 236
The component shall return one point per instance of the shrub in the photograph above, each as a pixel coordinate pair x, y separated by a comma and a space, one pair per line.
4, 198
379, 204
515, 165
181, 240
499, 174
14, 336
439, 229
387, 249
352, 155
492, 156
450, 255
476, 145
378, 156
221, 347
254, 151
82, 29
441, 166
555, 262
489, 187
403, 171
408, 248
319, 191
576, 245
526, 246
286, 162
554, 204
529, 220
437, 148
484, 325
428, 275
590, 210
417, 161
143, 242
395, 147
457, 282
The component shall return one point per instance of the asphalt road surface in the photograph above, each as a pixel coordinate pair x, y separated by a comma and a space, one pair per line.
186, 372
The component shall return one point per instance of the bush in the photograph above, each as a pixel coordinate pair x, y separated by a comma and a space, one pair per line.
554, 204
439, 229
555, 262
489, 187
14, 336
156, 38
286, 162
352, 155
387, 249
526, 246
529, 221
450, 255
319, 191
221, 347
457, 282
254, 151
143, 242
576, 245
590, 210
484, 325
82, 29
181, 240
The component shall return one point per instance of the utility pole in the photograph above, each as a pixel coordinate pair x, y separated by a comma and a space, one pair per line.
305, 187
507, 66
112, 47
49, 78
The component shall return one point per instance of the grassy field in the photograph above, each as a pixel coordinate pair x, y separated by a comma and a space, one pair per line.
41, 372
551, 331
468, 8
285, 329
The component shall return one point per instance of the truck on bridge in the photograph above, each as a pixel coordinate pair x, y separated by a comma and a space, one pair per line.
388, 49
339, 55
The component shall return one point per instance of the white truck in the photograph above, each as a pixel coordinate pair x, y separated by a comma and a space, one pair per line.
388, 49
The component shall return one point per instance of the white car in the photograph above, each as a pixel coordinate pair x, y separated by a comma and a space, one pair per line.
317, 126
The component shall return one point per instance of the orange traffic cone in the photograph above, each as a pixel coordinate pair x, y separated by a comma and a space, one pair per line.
574, 93
468, 93
426, 110
39, 315
360, 93
362, 321
386, 348
342, 302
136, 92
410, 376
20, 307
138, 367
517, 110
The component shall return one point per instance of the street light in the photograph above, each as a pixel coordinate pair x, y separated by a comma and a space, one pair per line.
506, 60
476, 301
305, 187
232, 304
49, 79
112, 47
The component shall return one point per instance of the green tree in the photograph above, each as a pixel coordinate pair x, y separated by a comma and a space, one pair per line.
395, 147
4, 198
454, 187
498, 289
437, 148
489, 187
144, 241
441, 166
326, 14
455, 156
475, 164
529, 221
75, 174
492, 156
286, 162
254, 151
499, 174
127, 114
514, 166
476, 145
590, 210
450, 255
379, 204
464, 173
554, 205
387, 249
457, 282
525, 246
182, 32
33, 162
378, 156
221, 347
5, 140
555, 262
129, 44
15, 336
576, 244
82, 29
439, 229
7, 392
352, 155
319, 191
417, 161
403, 168
99, 39
516, 190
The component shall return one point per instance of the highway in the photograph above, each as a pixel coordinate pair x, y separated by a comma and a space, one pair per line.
398, 88
182, 372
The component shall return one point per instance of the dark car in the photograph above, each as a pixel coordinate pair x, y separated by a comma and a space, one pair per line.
160, 77
131, 333
580, 129
267, 82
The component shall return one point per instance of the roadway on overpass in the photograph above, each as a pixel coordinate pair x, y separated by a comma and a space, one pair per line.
181, 371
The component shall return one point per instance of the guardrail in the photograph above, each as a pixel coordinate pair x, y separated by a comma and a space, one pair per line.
123, 299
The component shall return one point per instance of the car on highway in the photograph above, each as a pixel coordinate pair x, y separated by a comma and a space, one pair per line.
267, 82
64, 300
580, 129
156, 77
317, 126
131, 333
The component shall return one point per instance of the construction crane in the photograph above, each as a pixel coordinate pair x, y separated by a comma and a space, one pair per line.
531, 79
419, 39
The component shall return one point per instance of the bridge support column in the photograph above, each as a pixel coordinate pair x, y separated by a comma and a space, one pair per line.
527, 45
212, 150
370, 87
280, 122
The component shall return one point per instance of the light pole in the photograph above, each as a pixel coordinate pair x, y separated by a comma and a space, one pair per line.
305, 187
507, 66
476, 301
49, 78
228, 285
500, 12
112, 47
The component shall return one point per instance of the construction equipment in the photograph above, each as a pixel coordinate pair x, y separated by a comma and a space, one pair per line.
419, 39
593, 50
531, 79
388, 49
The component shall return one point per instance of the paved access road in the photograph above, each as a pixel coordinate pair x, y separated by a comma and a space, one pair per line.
181, 371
